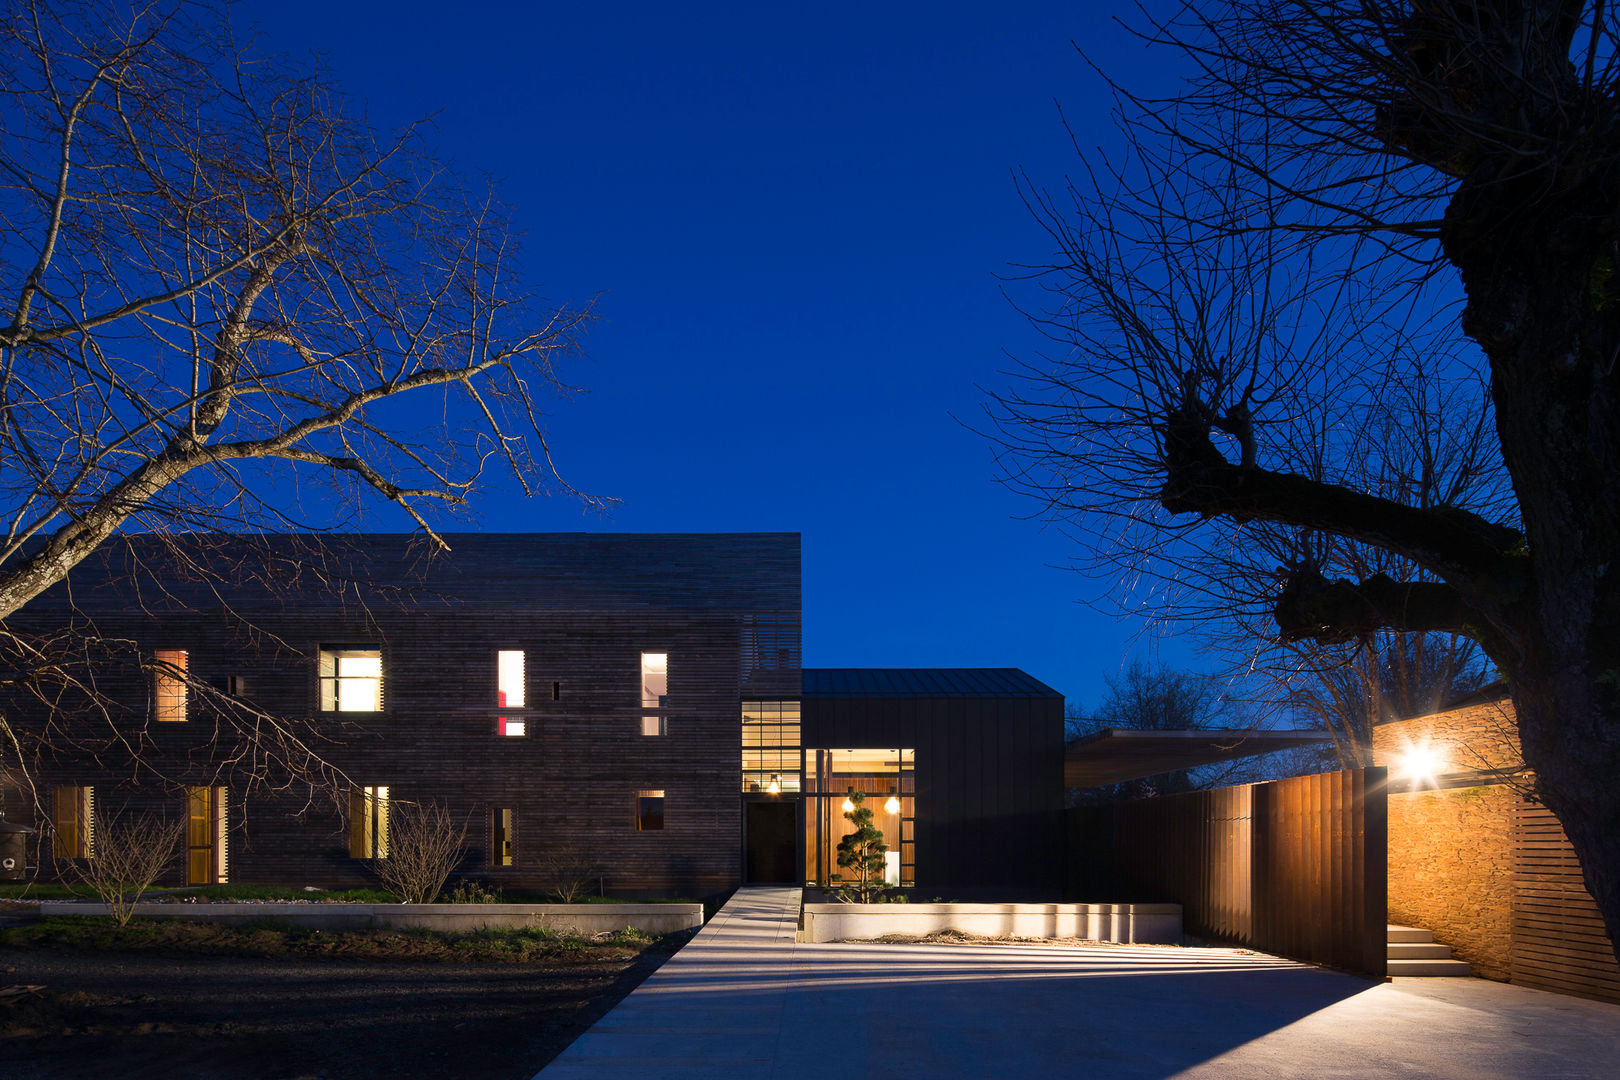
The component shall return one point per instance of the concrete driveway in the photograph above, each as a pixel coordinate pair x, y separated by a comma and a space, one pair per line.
743, 1001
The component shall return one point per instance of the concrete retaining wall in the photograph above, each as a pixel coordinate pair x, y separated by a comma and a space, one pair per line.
579, 918
1143, 924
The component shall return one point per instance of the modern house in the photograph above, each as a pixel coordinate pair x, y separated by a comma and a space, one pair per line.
636, 701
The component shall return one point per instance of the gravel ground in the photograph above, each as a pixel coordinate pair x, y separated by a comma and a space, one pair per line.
130, 1015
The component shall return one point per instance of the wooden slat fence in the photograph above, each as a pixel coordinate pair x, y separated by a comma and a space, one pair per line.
1559, 942
1295, 867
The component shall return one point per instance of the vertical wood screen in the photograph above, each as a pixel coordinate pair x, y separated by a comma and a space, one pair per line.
1296, 867
1559, 942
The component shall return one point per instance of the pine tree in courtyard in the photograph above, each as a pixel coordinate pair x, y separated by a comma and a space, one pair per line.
862, 853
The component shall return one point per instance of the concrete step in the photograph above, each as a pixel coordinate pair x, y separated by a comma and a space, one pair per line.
1407, 933
1429, 969
1419, 950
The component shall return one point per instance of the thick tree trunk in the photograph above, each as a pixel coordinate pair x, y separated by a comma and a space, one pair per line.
1537, 266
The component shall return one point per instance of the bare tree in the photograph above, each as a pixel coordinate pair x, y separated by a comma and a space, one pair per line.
1348, 688
219, 286
129, 853
570, 871
1157, 698
425, 844
1362, 214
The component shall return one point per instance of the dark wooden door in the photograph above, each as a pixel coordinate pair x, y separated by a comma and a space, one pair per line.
769, 830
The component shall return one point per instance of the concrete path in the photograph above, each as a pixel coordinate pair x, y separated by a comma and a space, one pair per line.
742, 1001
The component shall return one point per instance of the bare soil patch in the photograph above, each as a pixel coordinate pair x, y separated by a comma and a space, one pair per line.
300, 1010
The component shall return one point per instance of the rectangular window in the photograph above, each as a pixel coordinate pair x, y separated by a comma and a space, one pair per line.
887, 781
649, 810
205, 836
770, 747
73, 820
169, 684
368, 823
500, 836
509, 690
654, 691
351, 679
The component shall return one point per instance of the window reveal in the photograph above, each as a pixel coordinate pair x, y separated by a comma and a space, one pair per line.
73, 822
500, 836
169, 685
654, 691
509, 691
351, 680
368, 822
649, 810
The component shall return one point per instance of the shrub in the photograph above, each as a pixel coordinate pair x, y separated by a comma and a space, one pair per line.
130, 854
425, 844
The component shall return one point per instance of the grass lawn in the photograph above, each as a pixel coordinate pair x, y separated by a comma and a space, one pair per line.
172, 1000
271, 937
454, 894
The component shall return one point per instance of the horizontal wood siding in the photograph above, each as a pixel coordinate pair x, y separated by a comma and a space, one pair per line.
1559, 942
571, 780
1294, 867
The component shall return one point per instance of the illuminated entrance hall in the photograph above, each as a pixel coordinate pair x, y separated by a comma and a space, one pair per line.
887, 778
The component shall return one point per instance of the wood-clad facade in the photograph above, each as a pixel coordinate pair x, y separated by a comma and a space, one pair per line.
987, 769
583, 609
629, 701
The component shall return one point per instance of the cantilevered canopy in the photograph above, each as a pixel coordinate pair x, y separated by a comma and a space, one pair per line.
1115, 754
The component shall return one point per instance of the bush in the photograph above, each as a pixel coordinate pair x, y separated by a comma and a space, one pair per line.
129, 855
424, 846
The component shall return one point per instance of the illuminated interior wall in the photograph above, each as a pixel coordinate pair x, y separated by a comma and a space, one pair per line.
886, 777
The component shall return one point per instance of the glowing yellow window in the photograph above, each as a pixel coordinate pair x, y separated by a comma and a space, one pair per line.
169, 684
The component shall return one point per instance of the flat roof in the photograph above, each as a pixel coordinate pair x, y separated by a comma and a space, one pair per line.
1113, 755
924, 683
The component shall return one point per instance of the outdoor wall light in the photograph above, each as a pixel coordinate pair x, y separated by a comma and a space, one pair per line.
893, 805
1419, 763
775, 786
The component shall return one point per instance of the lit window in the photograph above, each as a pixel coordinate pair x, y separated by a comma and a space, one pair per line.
509, 690
73, 818
368, 823
205, 836
500, 836
654, 690
351, 680
169, 684
649, 810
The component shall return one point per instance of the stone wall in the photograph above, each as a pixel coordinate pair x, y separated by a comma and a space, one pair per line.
1451, 848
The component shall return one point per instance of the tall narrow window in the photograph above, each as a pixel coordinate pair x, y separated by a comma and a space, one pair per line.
500, 836
368, 822
351, 680
649, 810
169, 684
509, 691
654, 691
73, 820
205, 836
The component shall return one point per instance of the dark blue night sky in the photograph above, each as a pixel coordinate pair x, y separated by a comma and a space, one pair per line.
794, 218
